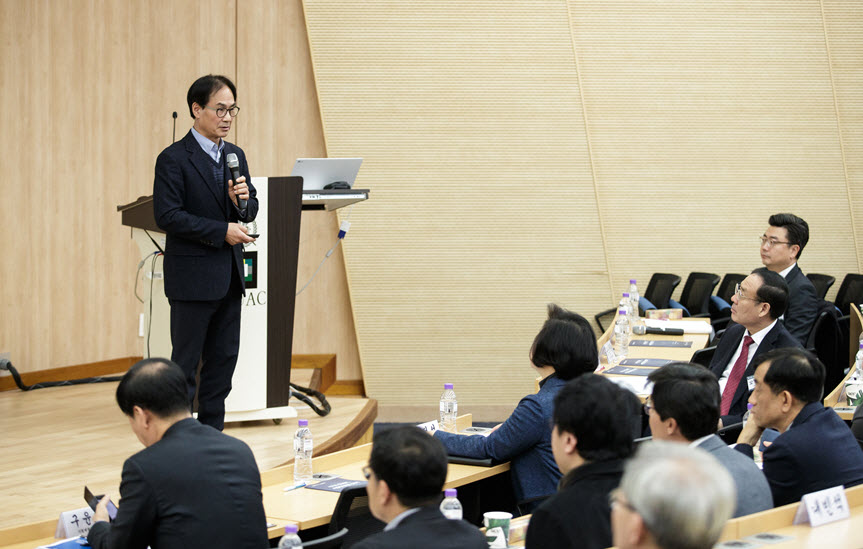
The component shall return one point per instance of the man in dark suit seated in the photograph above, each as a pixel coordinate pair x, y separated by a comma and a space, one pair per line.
590, 438
757, 303
815, 449
406, 474
684, 407
192, 486
781, 247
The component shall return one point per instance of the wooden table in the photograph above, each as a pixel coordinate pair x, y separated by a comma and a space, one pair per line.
309, 508
843, 534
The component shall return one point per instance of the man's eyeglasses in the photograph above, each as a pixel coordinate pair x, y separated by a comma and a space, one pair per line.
739, 291
222, 111
615, 497
367, 472
648, 405
770, 242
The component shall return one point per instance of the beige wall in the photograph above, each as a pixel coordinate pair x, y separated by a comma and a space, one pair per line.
533, 151
89, 88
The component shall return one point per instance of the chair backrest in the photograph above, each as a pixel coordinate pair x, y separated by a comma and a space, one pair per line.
660, 288
851, 291
726, 288
697, 291
333, 541
826, 341
703, 356
821, 282
352, 512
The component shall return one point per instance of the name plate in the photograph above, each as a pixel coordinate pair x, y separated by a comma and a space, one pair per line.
659, 343
608, 351
429, 426
74, 523
823, 507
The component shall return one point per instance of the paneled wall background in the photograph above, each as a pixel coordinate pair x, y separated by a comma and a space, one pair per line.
88, 88
519, 153
537, 151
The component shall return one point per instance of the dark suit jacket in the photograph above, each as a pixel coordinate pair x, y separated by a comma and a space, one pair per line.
427, 529
578, 515
195, 214
803, 305
817, 452
194, 488
776, 338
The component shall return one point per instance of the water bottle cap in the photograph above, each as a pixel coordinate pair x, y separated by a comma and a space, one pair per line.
291, 529
632, 281
625, 294
450, 492
303, 423
748, 405
622, 312
447, 386
861, 344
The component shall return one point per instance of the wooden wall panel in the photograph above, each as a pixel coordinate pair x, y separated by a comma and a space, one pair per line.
525, 152
482, 207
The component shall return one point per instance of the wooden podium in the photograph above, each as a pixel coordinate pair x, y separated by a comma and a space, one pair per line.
261, 382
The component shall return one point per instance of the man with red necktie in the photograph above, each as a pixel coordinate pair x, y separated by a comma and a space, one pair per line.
757, 304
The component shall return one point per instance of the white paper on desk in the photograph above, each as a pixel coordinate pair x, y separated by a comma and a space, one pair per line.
637, 384
688, 326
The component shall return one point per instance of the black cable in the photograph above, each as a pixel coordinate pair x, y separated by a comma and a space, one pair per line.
6, 365
150, 320
318, 395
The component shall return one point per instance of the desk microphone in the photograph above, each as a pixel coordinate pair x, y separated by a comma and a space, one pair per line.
665, 331
174, 135
234, 165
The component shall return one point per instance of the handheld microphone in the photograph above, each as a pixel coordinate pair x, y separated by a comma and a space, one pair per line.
174, 135
666, 331
234, 165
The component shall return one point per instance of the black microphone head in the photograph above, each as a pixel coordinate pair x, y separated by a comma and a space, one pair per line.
174, 115
233, 162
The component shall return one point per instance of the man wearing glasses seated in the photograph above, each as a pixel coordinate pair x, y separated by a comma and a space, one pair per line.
781, 246
757, 304
406, 474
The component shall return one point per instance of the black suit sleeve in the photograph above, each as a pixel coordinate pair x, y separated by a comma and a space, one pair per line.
169, 206
801, 313
783, 473
252, 204
136, 515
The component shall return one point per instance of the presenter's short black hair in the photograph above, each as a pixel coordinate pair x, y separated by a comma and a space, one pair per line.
796, 227
204, 87
412, 463
594, 409
690, 394
154, 384
794, 370
773, 291
567, 343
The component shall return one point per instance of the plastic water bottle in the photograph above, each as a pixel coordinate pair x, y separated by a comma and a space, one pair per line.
303, 446
857, 375
291, 539
633, 297
621, 335
451, 506
626, 303
448, 408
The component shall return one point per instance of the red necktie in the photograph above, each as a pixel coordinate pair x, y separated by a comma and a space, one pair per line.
735, 376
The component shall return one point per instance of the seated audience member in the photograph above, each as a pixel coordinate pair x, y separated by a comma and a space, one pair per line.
671, 497
815, 449
192, 486
781, 247
591, 437
684, 407
564, 349
756, 305
406, 474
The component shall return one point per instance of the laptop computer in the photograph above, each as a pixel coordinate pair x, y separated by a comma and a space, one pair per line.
317, 173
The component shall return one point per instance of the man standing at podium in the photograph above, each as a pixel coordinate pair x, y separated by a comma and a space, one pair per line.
197, 203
